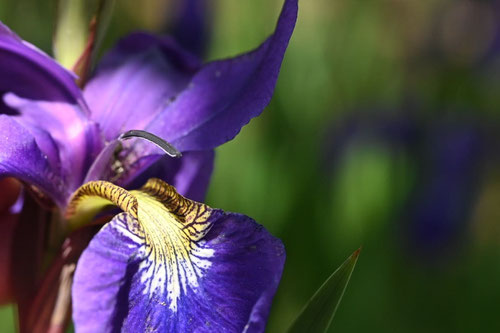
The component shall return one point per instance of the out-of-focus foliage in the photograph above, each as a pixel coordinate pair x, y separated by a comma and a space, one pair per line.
383, 132
78, 23
7, 315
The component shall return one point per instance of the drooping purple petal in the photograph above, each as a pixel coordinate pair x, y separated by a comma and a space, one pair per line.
224, 95
73, 141
20, 157
226, 286
136, 80
30, 73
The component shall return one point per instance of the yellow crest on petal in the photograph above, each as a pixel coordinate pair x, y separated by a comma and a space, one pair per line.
156, 200
170, 227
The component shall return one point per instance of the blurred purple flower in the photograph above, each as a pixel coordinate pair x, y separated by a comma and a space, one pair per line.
451, 156
56, 138
448, 154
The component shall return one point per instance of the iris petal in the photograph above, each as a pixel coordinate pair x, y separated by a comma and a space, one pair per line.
178, 266
191, 107
44, 98
30, 73
74, 140
224, 95
20, 157
136, 80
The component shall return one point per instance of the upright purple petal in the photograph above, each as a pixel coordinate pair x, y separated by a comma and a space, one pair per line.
20, 157
224, 95
237, 267
30, 73
136, 80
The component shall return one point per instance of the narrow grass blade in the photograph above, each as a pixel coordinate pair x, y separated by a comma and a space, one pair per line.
317, 314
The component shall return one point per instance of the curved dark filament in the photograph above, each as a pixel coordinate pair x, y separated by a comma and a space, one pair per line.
164, 145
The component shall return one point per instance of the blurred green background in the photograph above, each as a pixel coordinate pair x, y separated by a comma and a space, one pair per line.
382, 133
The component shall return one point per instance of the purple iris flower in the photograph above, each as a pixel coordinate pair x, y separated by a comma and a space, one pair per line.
167, 263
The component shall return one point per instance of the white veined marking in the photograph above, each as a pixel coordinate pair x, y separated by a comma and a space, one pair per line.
173, 262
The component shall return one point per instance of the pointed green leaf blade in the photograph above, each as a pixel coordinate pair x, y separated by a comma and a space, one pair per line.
317, 314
